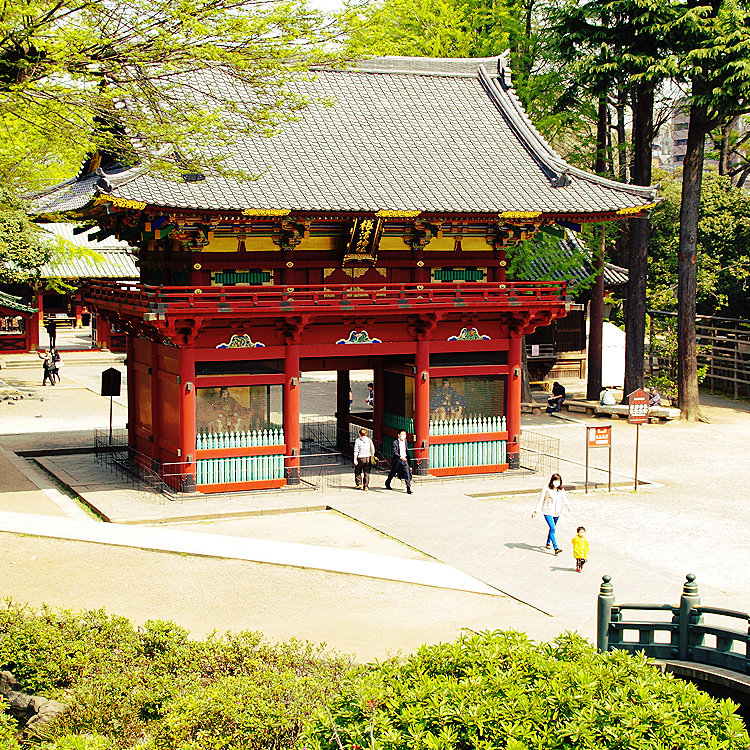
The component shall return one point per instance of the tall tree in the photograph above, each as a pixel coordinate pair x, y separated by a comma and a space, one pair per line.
716, 36
128, 65
619, 46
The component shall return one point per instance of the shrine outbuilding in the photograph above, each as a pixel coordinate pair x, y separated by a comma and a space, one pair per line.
376, 235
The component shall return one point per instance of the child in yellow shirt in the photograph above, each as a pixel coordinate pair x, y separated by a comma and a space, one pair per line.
580, 548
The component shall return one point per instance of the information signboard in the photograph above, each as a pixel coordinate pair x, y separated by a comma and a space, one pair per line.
638, 407
600, 437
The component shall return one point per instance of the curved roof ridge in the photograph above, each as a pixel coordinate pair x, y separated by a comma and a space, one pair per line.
501, 91
458, 67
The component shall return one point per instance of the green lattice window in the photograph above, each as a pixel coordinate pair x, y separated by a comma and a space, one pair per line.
232, 278
459, 274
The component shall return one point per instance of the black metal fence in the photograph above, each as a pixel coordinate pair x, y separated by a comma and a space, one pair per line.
145, 474
540, 453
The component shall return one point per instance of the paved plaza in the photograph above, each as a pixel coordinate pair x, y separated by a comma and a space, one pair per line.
368, 573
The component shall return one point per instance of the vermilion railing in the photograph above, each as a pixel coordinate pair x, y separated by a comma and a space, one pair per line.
231, 300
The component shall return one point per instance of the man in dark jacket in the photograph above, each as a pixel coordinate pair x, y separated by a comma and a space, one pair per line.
555, 401
51, 328
400, 462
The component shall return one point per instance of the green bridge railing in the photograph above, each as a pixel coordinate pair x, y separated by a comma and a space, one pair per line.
685, 636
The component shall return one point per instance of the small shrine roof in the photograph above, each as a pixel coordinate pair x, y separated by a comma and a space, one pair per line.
15, 304
105, 259
400, 133
570, 246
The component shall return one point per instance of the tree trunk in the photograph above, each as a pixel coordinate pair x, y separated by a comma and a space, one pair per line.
622, 142
596, 307
688, 397
635, 309
596, 325
726, 134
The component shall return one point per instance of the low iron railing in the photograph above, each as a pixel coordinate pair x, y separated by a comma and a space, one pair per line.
684, 636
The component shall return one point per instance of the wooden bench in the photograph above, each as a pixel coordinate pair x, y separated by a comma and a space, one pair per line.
655, 413
545, 385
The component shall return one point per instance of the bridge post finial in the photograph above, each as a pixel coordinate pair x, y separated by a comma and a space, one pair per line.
688, 617
605, 603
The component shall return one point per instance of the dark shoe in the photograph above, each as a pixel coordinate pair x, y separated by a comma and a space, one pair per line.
387, 486
365, 488
558, 551
548, 545
409, 492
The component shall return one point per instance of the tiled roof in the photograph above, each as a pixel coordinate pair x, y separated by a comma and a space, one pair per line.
570, 246
9, 302
104, 264
83, 239
90, 259
418, 134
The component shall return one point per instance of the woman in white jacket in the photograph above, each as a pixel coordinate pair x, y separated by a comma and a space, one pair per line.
550, 505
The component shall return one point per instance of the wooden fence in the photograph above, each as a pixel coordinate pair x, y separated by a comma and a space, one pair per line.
723, 347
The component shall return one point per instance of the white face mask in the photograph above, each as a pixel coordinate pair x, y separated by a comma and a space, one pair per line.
555, 483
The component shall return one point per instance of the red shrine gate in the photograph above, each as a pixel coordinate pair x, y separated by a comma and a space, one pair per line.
378, 234
440, 353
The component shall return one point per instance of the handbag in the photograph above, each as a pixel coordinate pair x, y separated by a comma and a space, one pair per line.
373, 458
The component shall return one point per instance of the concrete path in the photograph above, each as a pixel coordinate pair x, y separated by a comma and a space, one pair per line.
477, 532
422, 572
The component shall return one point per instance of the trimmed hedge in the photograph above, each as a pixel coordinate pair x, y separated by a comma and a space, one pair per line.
501, 690
153, 688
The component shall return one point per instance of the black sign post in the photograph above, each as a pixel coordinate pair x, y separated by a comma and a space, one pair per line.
111, 379
637, 415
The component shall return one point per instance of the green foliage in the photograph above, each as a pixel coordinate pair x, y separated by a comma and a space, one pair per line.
81, 742
722, 250
124, 685
542, 258
501, 690
430, 28
253, 712
23, 247
8, 731
127, 67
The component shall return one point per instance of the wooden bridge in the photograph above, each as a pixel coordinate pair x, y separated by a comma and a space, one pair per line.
706, 645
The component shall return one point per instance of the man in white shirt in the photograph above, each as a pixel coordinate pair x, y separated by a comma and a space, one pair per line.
364, 452
400, 462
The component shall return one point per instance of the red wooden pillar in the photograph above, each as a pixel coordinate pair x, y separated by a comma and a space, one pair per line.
513, 402
103, 330
155, 402
187, 418
130, 370
33, 324
291, 413
37, 321
422, 407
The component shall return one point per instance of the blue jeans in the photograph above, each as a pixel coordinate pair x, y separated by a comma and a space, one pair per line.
552, 523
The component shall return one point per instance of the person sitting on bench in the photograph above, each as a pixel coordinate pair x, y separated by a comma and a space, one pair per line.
556, 400
654, 397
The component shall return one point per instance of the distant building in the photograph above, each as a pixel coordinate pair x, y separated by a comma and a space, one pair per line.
89, 259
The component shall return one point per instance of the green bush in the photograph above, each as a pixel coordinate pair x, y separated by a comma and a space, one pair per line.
252, 713
501, 690
8, 731
49, 650
121, 683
